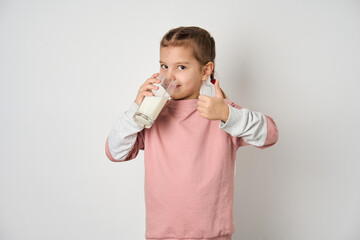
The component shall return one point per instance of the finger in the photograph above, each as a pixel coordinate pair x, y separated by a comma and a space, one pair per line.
201, 112
148, 87
144, 93
152, 81
203, 97
201, 104
155, 75
147, 93
218, 92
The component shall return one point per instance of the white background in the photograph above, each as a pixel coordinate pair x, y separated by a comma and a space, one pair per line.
69, 69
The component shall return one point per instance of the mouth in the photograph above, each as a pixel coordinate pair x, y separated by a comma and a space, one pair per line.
178, 86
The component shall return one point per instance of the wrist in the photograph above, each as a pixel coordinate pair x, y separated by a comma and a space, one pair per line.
225, 115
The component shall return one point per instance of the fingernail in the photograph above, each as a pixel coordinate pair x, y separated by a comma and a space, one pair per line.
213, 81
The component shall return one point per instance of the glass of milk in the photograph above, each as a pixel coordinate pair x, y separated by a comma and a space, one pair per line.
151, 106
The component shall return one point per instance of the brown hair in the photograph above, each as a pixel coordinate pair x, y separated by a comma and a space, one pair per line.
195, 38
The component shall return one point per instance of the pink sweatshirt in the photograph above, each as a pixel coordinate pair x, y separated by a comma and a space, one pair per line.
189, 168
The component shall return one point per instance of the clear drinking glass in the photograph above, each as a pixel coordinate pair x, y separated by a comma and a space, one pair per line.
151, 106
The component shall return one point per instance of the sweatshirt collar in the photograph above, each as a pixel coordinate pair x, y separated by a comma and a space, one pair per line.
187, 103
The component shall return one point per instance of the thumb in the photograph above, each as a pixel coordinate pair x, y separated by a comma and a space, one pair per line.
218, 92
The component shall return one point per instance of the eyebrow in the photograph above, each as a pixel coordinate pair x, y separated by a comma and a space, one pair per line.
176, 63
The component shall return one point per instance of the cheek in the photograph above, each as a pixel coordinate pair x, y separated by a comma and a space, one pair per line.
190, 79
162, 71
189, 84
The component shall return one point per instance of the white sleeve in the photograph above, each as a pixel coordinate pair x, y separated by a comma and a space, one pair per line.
249, 125
123, 134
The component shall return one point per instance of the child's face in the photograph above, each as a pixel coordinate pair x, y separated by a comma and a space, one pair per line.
180, 64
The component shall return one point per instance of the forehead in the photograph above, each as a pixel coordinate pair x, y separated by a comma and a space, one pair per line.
176, 54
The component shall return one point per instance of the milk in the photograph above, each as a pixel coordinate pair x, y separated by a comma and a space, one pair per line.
150, 107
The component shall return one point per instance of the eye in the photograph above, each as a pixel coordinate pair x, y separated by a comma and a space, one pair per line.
163, 66
182, 67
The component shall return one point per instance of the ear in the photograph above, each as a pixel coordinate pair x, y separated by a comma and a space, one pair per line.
207, 70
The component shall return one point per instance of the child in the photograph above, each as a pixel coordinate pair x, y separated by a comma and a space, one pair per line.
190, 150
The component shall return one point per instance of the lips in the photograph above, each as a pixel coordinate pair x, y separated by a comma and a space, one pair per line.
178, 86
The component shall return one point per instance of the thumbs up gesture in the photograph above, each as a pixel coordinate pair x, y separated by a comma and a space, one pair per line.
213, 108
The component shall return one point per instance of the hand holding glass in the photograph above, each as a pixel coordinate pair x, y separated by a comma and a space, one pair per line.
151, 106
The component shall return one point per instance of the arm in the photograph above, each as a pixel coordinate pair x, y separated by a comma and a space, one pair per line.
125, 138
253, 127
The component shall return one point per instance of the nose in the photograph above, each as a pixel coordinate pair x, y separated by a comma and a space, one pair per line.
170, 75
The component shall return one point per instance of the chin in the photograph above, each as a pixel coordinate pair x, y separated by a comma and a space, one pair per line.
182, 98
176, 96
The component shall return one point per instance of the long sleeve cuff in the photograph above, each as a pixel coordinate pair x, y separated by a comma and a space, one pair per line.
249, 125
123, 134
130, 120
